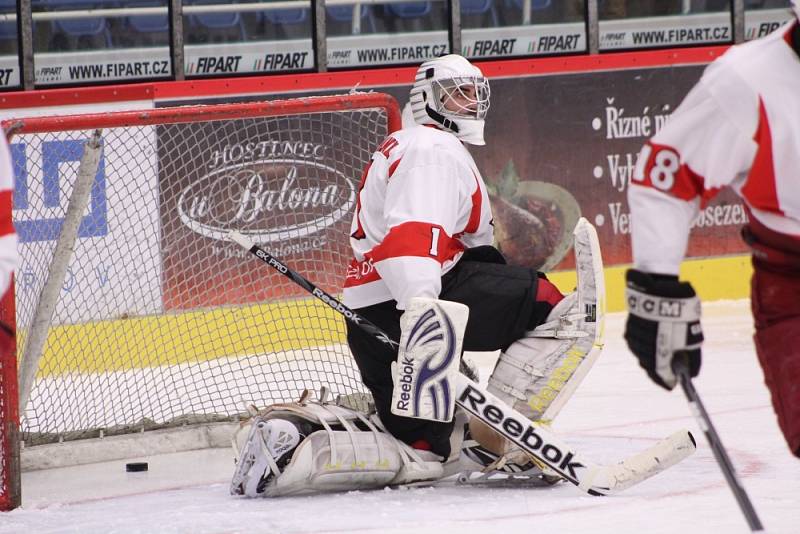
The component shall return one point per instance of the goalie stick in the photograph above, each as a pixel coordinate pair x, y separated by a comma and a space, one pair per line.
535, 439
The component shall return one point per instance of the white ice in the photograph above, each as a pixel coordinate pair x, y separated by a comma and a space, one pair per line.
614, 413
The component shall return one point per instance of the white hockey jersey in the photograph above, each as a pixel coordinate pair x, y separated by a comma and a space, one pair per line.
738, 127
421, 202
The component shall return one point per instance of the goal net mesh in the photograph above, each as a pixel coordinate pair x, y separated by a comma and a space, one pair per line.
160, 319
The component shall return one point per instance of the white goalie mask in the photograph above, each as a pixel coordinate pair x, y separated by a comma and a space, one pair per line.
451, 93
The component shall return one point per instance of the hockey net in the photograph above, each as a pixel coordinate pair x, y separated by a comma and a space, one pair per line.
159, 320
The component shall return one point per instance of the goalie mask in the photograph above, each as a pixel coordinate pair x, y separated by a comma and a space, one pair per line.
451, 93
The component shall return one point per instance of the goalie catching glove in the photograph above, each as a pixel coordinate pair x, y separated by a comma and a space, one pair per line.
664, 322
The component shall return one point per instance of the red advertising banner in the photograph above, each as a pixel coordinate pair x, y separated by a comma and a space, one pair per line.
559, 146
554, 142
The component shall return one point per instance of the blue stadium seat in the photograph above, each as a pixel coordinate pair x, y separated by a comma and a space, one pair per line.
535, 4
146, 30
8, 30
344, 15
287, 16
83, 28
148, 23
480, 7
292, 23
514, 11
410, 10
220, 22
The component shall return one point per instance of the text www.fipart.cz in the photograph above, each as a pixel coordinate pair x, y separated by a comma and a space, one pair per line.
118, 70
399, 53
680, 35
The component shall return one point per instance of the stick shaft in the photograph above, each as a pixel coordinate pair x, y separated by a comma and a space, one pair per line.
720, 454
306, 284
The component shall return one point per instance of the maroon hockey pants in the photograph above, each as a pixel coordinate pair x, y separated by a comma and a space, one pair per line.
775, 300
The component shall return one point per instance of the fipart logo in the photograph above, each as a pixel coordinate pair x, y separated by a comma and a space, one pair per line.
42, 176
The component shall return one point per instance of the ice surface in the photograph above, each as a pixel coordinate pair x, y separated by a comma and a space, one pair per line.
615, 412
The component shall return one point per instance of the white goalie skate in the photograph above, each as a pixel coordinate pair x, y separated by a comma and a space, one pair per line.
485, 468
267, 450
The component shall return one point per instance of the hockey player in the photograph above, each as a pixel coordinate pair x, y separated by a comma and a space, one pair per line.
738, 127
426, 273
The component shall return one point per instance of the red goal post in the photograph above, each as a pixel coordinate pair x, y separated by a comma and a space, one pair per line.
145, 317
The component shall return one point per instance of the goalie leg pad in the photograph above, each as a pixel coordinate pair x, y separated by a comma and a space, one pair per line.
538, 373
428, 358
346, 461
295, 449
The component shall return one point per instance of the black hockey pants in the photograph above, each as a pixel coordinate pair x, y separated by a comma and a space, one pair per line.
502, 306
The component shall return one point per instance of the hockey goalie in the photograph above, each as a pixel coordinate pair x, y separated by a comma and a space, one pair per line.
425, 272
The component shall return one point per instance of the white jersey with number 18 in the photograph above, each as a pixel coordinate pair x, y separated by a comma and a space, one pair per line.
738, 127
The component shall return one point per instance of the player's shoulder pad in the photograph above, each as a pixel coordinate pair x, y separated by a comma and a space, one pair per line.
732, 82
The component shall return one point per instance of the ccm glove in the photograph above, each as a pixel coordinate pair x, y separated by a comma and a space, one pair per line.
663, 320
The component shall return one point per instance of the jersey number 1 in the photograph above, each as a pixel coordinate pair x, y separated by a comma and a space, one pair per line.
434, 251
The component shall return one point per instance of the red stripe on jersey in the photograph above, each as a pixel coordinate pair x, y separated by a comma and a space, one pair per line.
359, 233
387, 146
393, 167
6, 223
475, 213
788, 35
416, 239
665, 172
759, 190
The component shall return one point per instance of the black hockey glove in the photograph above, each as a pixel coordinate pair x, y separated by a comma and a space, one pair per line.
664, 319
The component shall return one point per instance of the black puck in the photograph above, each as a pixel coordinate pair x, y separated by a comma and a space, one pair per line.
135, 467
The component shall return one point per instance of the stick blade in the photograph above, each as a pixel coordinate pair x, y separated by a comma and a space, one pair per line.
646, 464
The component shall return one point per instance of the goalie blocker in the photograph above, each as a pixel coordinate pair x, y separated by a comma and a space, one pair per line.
428, 359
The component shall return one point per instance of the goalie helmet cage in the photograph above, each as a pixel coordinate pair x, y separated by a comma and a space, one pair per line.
159, 321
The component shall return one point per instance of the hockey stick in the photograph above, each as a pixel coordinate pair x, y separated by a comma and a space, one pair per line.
535, 439
680, 367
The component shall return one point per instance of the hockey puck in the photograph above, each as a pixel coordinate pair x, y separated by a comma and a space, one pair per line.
136, 467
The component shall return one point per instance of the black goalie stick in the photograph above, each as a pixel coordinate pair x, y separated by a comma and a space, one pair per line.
534, 438
681, 369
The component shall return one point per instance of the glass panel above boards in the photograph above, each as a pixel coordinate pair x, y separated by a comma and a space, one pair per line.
248, 37
385, 32
507, 28
762, 17
636, 24
96, 41
9, 47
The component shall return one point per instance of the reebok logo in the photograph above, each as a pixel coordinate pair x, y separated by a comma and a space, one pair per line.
521, 432
405, 380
